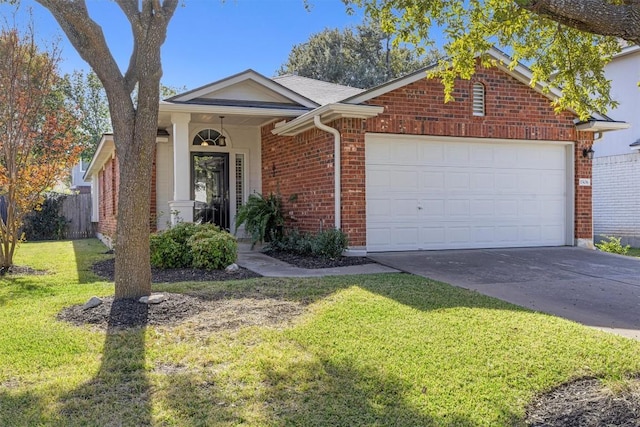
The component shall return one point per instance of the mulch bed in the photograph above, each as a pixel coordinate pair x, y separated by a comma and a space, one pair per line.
106, 269
313, 262
207, 314
19, 270
586, 403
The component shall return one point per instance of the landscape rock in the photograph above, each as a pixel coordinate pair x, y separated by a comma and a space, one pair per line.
232, 268
152, 299
92, 303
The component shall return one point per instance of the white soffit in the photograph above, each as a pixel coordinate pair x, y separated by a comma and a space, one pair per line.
601, 126
105, 150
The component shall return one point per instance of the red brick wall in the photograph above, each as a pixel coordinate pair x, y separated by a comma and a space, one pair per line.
512, 111
108, 179
109, 182
303, 166
583, 227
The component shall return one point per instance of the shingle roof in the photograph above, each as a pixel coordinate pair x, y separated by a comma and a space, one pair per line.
318, 91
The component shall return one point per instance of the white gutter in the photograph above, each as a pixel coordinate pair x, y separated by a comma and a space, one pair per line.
601, 126
336, 162
329, 112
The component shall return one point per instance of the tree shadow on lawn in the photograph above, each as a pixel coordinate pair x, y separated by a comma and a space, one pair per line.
119, 394
86, 255
341, 395
22, 409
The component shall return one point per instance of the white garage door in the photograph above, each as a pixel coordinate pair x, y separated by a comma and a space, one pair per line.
456, 193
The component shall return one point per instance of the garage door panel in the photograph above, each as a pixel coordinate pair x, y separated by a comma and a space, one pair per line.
457, 154
483, 182
427, 194
432, 153
432, 180
457, 181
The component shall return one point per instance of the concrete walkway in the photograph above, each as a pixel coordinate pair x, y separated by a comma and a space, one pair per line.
267, 266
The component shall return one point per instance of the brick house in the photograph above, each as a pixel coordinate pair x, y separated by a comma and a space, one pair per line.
393, 166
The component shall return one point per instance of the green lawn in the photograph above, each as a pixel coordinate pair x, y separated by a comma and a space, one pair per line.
634, 252
386, 350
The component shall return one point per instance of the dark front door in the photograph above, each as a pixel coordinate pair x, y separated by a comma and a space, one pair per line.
210, 172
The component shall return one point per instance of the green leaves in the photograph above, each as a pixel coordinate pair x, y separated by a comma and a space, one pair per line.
261, 216
569, 59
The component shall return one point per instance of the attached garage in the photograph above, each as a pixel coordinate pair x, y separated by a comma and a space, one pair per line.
425, 192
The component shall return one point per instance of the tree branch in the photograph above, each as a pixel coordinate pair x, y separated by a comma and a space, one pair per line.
593, 16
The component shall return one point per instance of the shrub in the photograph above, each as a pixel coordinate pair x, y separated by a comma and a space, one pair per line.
294, 242
330, 243
613, 245
213, 249
167, 253
170, 248
262, 217
46, 223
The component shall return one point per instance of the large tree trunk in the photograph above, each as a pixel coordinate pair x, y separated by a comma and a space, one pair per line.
134, 126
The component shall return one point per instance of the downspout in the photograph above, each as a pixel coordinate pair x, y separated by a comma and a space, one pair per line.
336, 158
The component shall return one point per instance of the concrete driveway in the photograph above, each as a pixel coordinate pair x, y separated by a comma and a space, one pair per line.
591, 287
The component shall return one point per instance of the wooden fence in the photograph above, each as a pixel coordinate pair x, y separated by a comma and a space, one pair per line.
76, 208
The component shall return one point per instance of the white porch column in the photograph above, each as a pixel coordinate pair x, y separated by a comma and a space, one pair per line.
181, 206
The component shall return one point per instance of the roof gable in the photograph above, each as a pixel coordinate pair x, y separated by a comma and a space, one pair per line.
248, 86
520, 73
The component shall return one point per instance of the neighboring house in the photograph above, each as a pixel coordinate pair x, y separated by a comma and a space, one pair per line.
77, 178
616, 167
402, 169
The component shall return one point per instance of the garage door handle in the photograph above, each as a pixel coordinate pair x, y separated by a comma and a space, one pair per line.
419, 208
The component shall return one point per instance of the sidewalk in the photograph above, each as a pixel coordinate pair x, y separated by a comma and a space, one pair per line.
264, 265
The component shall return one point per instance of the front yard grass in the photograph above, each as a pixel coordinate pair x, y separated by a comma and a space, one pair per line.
633, 252
368, 350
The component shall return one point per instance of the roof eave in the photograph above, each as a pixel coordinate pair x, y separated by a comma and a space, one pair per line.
601, 126
327, 113
105, 149
168, 107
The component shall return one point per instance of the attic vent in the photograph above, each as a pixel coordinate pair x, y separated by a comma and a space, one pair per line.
478, 99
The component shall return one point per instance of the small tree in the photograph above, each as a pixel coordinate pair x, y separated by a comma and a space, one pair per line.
37, 132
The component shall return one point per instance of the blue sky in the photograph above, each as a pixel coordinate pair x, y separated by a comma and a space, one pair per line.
207, 39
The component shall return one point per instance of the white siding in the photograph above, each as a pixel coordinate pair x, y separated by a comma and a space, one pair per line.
164, 183
624, 73
616, 204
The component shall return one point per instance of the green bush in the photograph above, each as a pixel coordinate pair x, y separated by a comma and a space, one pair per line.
167, 253
262, 217
46, 223
170, 248
213, 249
327, 244
613, 245
293, 242
330, 243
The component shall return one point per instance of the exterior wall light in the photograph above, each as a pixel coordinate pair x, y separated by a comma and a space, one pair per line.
587, 153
